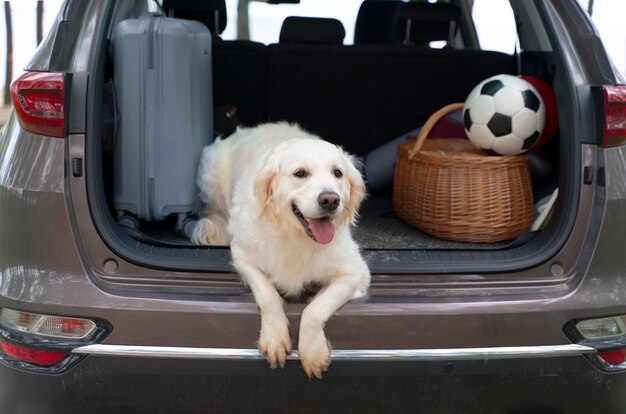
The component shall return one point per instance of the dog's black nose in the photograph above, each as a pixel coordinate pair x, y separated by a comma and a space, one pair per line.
328, 200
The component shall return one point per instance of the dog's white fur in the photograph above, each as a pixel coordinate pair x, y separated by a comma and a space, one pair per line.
249, 184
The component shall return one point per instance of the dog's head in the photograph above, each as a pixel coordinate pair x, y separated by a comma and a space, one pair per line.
311, 185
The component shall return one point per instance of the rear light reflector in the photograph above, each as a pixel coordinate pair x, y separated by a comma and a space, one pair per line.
613, 357
608, 336
614, 115
46, 325
39, 101
32, 356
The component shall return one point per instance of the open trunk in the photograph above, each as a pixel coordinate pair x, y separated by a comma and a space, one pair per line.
360, 96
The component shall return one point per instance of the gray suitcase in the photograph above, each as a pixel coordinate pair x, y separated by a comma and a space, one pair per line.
163, 88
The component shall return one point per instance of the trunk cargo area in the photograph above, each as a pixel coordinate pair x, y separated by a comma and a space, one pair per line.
367, 98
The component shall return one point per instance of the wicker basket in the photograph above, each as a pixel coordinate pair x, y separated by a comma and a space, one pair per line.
452, 190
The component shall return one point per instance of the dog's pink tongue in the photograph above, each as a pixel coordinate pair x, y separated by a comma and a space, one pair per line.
323, 230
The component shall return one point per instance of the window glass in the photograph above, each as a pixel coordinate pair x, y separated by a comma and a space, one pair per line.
495, 25
267, 19
494, 20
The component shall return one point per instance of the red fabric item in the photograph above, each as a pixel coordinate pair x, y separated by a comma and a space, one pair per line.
552, 115
449, 126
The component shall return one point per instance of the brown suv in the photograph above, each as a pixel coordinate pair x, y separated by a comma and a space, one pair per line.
103, 310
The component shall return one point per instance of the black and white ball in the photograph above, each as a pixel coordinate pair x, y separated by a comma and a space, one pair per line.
504, 114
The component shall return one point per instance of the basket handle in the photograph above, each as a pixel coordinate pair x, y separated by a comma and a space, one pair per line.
430, 124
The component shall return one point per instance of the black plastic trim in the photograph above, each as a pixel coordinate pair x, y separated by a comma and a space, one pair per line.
77, 103
597, 94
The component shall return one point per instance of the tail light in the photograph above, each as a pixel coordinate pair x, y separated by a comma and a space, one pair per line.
614, 358
46, 325
44, 343
39, 101
614, 115
30, 355
607, 335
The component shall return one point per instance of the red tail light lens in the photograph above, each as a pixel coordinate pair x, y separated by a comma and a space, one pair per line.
613, 357
39, 101
614, 115
33, 356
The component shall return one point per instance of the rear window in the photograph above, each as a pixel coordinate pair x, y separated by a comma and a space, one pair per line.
266, 19
494, 20
495, 25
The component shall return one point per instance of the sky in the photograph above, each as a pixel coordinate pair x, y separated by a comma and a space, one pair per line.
492, 17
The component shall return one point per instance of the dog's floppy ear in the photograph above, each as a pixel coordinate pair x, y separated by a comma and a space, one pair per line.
265, 184
357, 188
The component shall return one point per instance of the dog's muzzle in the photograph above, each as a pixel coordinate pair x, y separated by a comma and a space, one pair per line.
319, 229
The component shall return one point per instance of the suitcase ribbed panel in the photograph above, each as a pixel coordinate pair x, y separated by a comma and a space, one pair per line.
163, 86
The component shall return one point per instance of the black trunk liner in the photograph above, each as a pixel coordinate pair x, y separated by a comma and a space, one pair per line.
378, 229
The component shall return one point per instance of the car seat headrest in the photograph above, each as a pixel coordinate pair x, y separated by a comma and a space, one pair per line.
210, 12
374, 22
418, 23
422, 23
312, 30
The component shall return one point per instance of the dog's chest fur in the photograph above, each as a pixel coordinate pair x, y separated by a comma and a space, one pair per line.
292, 265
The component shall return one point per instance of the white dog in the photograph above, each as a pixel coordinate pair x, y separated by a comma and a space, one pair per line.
285, 200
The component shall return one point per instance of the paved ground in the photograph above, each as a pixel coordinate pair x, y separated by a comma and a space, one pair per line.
4, 114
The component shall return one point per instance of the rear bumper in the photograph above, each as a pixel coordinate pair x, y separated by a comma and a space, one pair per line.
107, 384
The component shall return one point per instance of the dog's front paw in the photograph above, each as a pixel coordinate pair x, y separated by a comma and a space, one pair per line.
314, 351
275, 343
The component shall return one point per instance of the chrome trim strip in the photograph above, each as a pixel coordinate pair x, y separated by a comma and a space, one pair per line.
513, 352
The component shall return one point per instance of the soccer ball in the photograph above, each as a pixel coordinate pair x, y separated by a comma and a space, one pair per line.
504, 114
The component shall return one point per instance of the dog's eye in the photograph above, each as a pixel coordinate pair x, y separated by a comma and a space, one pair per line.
300, 173
338, 173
